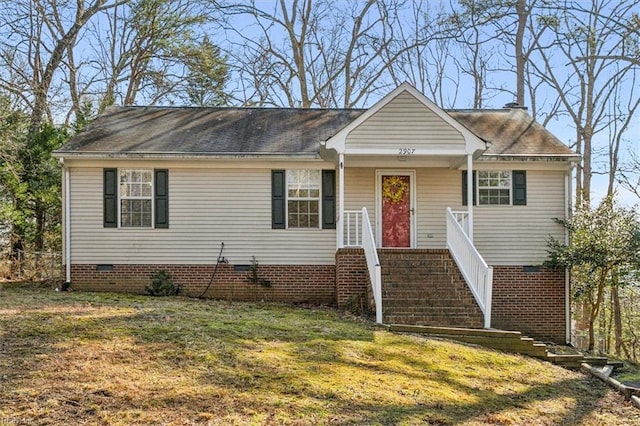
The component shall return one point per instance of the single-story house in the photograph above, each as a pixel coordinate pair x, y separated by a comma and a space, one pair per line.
440, 217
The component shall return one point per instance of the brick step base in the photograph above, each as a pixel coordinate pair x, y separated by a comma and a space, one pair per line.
425, 287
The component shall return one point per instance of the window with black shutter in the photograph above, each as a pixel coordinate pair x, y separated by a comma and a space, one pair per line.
303, 199
136, 198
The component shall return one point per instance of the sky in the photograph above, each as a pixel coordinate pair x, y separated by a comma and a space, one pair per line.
561, 126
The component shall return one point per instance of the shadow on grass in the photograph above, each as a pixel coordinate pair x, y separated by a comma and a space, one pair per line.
244, 361
486, 406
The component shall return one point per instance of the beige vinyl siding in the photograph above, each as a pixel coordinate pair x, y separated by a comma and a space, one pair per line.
360, 192
405, 123
504, 235
206, 207
516, 235
438, 188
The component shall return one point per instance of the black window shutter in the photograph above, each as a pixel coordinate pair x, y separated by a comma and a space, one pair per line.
278, 199
519, 187
110, 195
328, 199
161, 197
464, 187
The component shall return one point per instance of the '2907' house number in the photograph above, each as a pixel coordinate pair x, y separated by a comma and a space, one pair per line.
406, 151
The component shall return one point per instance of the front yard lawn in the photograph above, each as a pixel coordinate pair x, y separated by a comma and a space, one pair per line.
92, 358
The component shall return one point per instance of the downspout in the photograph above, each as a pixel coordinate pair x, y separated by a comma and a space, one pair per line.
340, 233
567, 277
67, 223
470, 194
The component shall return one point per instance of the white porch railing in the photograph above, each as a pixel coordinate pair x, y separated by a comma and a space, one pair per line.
352, 228
462, 217
373, 263
476, 272
358, 233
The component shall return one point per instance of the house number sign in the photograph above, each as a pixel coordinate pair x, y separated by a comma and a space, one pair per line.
406, 151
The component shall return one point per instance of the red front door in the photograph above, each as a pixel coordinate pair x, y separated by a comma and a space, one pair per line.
396, 211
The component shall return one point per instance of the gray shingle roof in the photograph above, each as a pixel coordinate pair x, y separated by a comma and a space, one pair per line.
511, 132
210, 130
289, 131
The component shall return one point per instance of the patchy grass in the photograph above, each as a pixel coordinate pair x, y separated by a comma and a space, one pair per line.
89, 358
630, 374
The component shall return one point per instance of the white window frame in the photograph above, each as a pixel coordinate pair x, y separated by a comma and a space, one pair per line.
508, 187
122, 197
288, 198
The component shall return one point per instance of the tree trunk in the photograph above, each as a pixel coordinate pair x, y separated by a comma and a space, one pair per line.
595, 307
617, 319
521, 9
591, 335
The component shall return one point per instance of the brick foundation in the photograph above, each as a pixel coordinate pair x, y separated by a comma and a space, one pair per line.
289, 283
352, 279
531, 302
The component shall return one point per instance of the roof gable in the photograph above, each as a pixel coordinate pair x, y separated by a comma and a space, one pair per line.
411, 117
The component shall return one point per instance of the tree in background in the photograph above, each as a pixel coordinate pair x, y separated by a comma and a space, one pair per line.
29, 184
597, 93
59, 66
154, 51
206, 75
604, 252
310, 53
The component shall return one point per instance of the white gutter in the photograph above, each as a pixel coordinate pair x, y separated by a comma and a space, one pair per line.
340, 230
190, 155
541, 155
67, 222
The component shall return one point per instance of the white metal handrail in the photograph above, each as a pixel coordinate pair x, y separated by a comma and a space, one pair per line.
373, 263
476, 272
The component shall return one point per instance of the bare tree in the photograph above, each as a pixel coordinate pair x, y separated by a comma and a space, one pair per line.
572, 63
629, 173
41, 33
312, 53
37, 34
155, 50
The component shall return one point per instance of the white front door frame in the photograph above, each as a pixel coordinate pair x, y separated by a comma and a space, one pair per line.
412, 201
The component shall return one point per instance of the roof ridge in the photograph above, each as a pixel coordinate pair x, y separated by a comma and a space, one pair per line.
192, 107
484, 110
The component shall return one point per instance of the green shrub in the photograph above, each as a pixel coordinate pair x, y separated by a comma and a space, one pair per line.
162, 285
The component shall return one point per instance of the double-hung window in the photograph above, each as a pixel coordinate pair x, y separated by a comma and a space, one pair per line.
136, 198
494, 187
497, 187
303, 199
